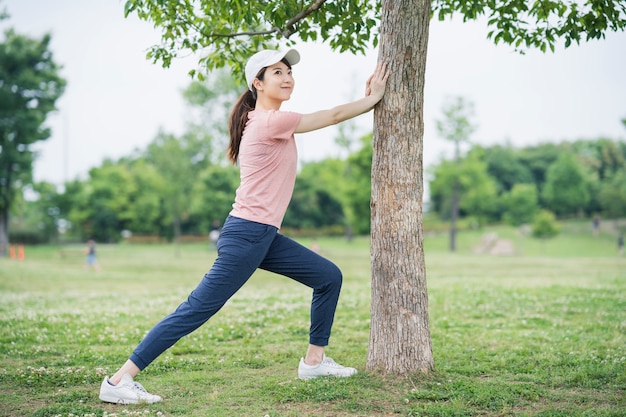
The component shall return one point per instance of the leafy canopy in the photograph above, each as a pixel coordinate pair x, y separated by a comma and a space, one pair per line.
221, 32
30, 85
540, 23
227, 32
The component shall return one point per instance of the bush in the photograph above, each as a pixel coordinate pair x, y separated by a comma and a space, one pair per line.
27, 237
545, 225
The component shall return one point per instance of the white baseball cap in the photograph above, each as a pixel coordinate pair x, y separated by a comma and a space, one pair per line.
266, 58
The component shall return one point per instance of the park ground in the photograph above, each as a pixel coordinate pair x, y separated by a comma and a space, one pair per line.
540, 331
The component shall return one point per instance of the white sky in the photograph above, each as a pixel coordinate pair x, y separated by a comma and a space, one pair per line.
116, 100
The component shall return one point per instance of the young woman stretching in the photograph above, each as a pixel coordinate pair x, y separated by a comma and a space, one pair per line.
262, 142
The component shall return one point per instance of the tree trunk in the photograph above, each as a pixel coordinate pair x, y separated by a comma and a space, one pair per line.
454, 214
4, 233
400, 334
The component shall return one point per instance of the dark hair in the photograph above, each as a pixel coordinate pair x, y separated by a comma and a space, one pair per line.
239, 116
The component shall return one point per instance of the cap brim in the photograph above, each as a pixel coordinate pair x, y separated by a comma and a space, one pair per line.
292, 56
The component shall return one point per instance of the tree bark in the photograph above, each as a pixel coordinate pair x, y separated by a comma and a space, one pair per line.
454, 213
400, 335
4, 233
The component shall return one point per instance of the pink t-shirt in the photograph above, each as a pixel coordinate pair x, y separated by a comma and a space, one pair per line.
268, 161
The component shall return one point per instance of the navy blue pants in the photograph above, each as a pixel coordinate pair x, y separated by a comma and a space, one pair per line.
244, 246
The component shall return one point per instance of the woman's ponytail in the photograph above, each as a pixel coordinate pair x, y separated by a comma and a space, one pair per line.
237, 122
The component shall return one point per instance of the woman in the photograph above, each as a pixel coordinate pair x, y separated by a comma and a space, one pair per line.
262, 141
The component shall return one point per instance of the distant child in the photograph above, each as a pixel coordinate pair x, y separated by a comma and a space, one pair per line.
596, 225
91, 261
620, 245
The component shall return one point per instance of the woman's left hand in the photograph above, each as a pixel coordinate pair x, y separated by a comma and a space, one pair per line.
377, 82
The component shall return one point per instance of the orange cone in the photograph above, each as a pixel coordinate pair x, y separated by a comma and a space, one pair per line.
20, 252
12, 251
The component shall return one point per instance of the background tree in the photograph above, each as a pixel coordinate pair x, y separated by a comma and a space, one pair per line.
209, 103
213, 194
505, 166
566, 190
538, 159
30, 85
319, 195
312, 206
358, 192
34, 220
521, 204
146, 209
106, 204
584, 181
230, 31
456, 127
47, 205
179, 161
612, 196
476, 189
602, 159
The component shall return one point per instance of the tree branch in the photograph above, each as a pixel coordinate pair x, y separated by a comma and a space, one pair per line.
289, 26
300, 16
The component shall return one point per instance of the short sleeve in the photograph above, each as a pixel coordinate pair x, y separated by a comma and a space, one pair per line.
282, 124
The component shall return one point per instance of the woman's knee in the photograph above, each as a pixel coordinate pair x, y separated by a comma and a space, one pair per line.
333, 275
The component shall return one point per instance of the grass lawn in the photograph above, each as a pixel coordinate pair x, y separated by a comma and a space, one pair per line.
538, 333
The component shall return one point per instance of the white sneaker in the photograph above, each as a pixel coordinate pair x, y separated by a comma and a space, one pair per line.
327, 367
126, 392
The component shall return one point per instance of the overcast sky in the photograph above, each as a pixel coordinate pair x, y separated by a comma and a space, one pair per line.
116, 100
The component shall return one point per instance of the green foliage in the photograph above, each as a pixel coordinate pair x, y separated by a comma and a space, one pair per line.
146, 213
105, 207
456, 125
538, 159
213, 195
603, 156
520, 205
612, 195
210, 103
566, 189
477, 190
226, 33
30, 85
539, 24
359, 189
36, 221
545, 225
318, 196
179, 161
571, 178
506, 167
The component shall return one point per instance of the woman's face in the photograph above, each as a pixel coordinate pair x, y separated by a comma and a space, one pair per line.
277, 83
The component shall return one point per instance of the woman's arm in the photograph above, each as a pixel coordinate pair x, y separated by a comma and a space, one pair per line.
374, 91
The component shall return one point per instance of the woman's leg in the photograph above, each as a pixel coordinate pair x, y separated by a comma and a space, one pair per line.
241, 248
289, 258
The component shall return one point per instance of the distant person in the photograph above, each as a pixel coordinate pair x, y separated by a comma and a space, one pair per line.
91, 261
595, 225
620, 245
214, 234
262, 143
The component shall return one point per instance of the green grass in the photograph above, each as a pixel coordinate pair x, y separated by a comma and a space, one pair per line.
539, 333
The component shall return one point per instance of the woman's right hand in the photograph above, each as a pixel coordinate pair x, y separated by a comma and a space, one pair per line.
377, 82
374, 91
